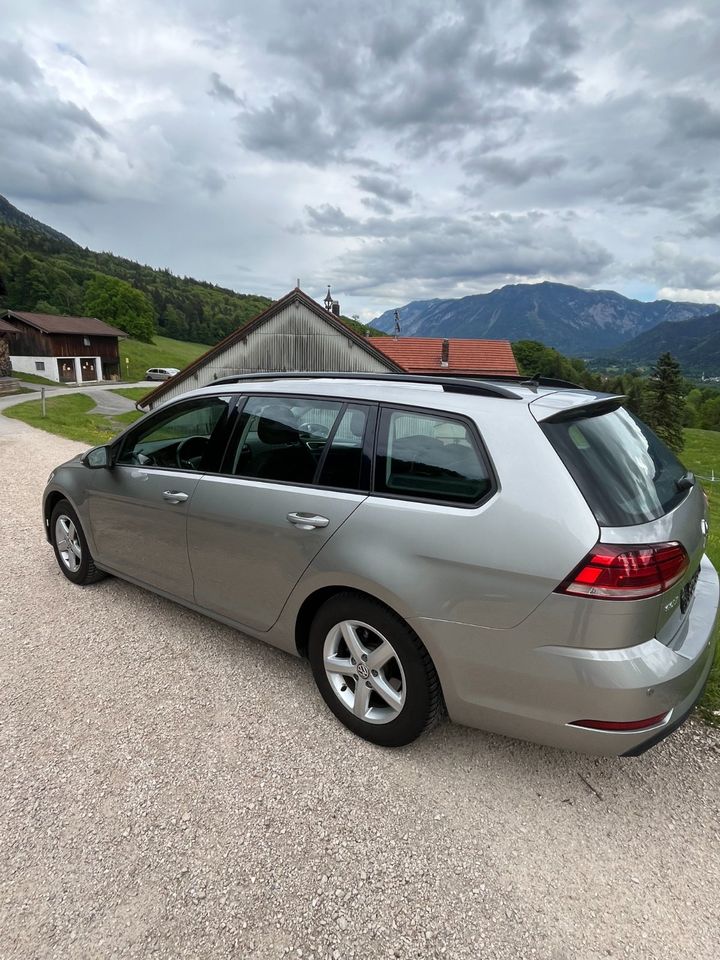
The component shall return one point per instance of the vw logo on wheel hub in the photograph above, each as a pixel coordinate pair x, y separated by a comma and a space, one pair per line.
363, 671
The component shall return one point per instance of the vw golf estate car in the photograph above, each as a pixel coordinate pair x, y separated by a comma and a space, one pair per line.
161, 373
526, 555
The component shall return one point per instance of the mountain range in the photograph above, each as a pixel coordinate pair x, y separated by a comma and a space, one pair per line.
578, 322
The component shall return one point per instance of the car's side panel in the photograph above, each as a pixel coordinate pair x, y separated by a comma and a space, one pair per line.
246, 555
136, 531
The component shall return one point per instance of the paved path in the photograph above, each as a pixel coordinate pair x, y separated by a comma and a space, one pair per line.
172, 789
107, 402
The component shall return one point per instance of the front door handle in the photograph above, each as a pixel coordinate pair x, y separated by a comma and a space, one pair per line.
174, 496
307, 521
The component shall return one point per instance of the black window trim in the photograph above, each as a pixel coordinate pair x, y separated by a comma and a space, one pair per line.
475, 437
119, 443
366, 472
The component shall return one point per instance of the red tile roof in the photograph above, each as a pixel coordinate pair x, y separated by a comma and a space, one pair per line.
50, 323
423, 355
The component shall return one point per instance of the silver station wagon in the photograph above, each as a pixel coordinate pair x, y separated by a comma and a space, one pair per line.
525, 555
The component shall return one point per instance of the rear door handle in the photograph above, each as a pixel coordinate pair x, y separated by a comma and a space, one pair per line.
175, 496
307, 521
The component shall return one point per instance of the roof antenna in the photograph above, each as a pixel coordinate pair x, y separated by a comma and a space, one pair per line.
397, 324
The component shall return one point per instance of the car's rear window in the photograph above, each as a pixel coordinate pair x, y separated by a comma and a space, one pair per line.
624, 471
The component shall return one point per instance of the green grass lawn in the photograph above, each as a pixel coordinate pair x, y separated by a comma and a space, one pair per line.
702, 455
164, 352
70, 417
32, 378
132, 393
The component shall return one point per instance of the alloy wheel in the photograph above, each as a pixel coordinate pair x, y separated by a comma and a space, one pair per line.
68, 543
364, 671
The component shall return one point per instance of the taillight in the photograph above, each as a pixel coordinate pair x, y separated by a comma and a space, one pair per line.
611, 572
621, 724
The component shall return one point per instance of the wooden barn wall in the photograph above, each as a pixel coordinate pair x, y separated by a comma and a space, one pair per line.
29, 342
294, 340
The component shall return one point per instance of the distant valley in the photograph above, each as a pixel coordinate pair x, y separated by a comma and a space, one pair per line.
694, 343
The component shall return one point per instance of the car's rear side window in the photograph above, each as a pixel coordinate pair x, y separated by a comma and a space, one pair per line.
427, 456
624, 471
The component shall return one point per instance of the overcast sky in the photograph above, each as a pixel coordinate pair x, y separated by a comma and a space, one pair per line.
398, 151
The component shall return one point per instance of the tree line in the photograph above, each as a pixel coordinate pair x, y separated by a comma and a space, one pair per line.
47, 274
664, 399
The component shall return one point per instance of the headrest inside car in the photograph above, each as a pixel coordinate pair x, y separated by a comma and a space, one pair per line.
277, 425
357, 423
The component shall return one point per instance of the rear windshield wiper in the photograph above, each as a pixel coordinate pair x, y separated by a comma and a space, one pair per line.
686, 481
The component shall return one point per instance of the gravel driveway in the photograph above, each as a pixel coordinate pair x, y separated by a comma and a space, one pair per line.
171, 788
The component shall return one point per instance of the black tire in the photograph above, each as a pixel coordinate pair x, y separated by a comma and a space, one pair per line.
86, 571
417, 675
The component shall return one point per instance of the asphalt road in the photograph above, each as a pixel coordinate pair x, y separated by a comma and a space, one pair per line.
173, 789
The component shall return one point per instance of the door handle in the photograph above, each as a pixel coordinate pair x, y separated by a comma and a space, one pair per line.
307, 521
174, 496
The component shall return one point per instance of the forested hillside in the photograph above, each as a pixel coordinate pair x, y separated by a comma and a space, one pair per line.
694, 343
45, 271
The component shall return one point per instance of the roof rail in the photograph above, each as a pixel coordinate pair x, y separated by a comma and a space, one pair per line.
448, 384
535, 380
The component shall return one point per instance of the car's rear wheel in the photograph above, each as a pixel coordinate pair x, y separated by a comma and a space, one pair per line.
373, 671
71, 547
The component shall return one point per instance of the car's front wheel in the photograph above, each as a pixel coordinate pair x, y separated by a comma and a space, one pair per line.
71, 547
373, 671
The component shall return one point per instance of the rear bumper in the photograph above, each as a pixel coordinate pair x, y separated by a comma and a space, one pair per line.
494, 680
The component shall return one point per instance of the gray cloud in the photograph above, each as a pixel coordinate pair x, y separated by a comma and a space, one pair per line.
679, 268
494, 252
445, 251
511, 172
706, 227
443, 147
54, 122
289, 129
693, 117
384, 189
376, 205
17, 67
222, 91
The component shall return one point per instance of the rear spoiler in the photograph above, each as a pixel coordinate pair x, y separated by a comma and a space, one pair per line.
556, 407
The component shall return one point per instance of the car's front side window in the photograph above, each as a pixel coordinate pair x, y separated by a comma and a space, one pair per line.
427, 456
283, 438
186, 436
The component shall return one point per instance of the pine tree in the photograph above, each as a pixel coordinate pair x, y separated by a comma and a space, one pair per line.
665, 401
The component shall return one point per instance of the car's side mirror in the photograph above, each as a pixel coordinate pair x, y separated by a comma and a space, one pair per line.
97, 458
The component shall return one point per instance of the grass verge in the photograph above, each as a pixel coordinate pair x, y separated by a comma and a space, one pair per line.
132, 393
70, 417
33, 378
702, 455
